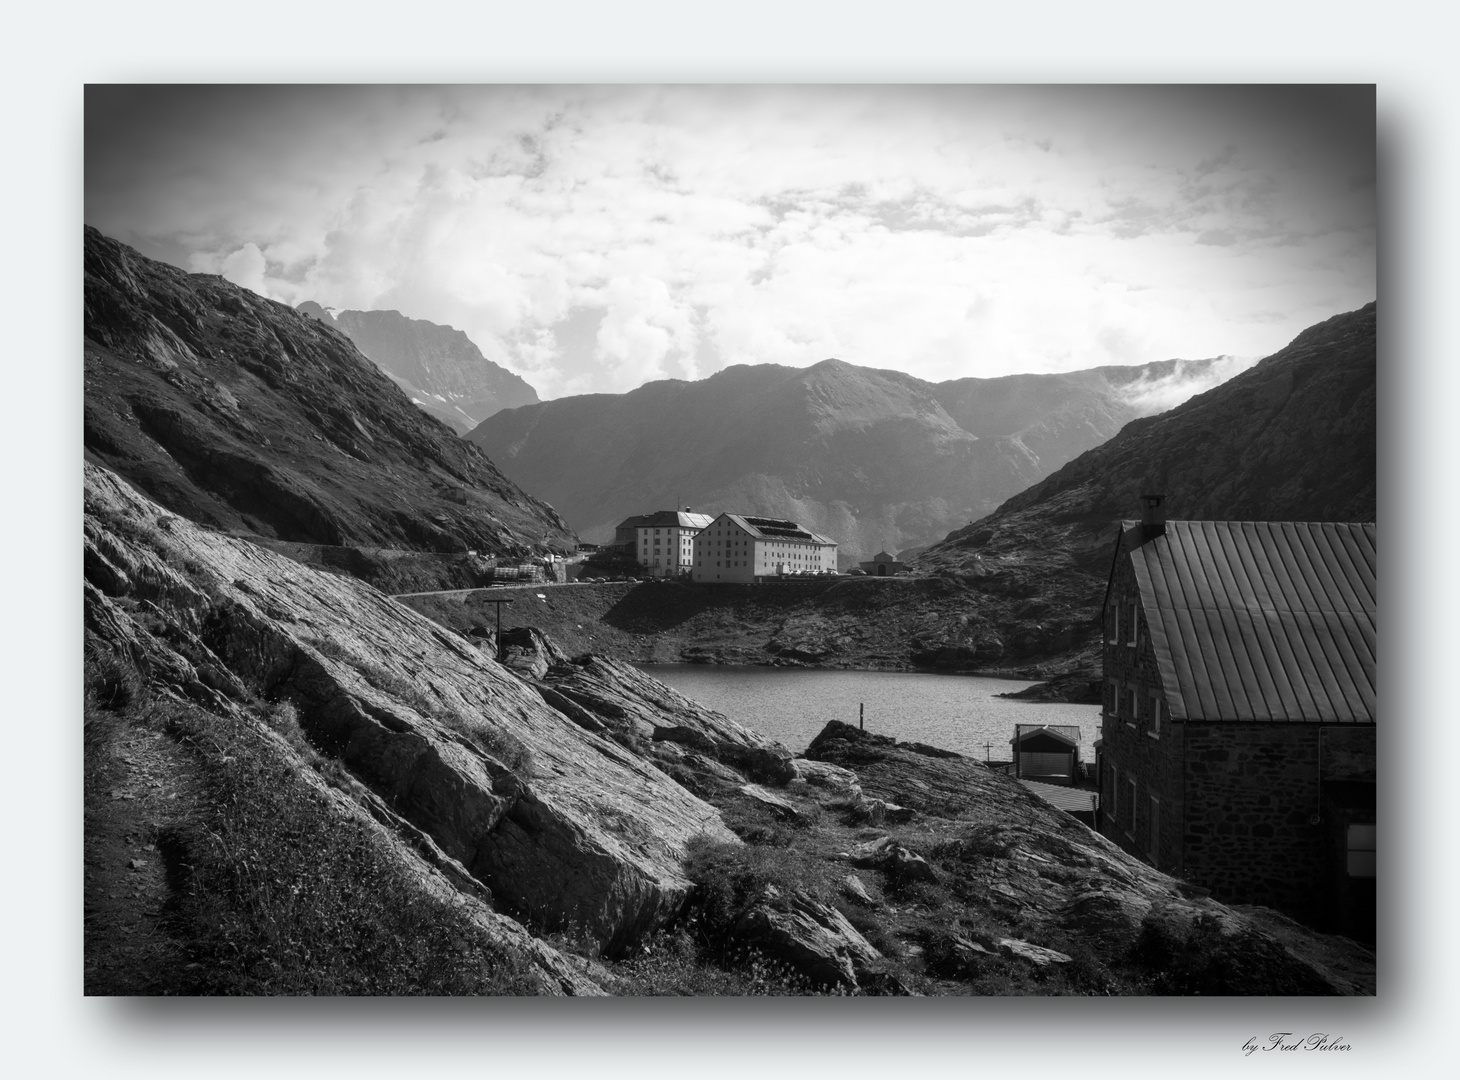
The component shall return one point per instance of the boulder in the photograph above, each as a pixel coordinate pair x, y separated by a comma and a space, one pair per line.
854, 888
1035, 954
626, 700
831, 779
890, 857
812, 939
783, 808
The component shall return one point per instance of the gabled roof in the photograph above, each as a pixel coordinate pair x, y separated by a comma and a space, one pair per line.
671, 518
1261, 620
1059, 732
777, 529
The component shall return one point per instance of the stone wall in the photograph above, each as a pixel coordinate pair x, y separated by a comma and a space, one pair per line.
1254, 827
1135, 745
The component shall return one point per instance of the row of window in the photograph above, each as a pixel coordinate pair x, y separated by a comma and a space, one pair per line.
1122, 811
1142, 712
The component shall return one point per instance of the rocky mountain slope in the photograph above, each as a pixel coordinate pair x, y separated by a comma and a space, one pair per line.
871, 458
296, 785
245, 415
1292, 439
438, 367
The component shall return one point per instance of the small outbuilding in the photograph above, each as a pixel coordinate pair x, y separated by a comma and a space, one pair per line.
1048, 753
883, 565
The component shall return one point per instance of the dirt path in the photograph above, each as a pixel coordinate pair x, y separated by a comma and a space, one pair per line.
132, 791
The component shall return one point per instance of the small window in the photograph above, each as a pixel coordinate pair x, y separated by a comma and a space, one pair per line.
1112, 695
1114, 794
1153, 833
1112, 624
1130, 802
1130, 704
1135, 619
1154, 709
1362, 850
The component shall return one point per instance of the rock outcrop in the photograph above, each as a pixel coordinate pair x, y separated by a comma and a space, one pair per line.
564, 827
1019, 863
241, 413
813, 939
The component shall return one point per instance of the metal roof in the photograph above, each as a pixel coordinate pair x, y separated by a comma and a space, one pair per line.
672, 518
778, 529
1262, 620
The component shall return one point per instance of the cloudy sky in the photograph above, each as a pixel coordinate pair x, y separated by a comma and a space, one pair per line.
595, 238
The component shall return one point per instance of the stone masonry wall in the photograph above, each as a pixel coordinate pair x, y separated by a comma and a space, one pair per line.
1254, 833
1134, 745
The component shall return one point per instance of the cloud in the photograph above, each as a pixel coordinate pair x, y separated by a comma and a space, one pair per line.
946, 231
1157, 394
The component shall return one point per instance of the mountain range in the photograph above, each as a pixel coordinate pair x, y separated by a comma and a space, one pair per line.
438, 367
245, 415
872, 458
1291, 439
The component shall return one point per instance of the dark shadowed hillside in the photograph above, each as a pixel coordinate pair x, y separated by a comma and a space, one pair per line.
242, 414
438, 367
1292, 439
871, 458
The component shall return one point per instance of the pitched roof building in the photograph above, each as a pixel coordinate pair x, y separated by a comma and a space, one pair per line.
734, 547
1239, 724
664, 540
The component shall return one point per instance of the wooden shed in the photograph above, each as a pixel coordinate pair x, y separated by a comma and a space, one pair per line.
1049, 753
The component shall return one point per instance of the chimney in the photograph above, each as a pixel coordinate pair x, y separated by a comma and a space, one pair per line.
1153, 517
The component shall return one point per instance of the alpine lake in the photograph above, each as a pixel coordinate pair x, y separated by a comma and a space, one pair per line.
962, 713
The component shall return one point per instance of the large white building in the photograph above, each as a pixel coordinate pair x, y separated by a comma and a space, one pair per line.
737, 548
664, 541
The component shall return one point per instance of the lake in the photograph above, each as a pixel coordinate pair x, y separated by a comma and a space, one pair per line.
954, 712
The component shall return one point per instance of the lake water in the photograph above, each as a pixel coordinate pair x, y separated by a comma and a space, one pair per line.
954, 712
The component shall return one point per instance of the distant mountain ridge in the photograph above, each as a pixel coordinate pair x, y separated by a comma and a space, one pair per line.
1291, 439
244, 415
872, 458
439, 367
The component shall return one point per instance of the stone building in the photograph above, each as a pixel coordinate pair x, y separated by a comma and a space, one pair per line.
1238, 731
883, 564
738, 548
663, 541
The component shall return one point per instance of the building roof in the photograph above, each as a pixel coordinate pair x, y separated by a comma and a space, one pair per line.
671, 518
778, 529
1266, 620
1065, 733
882, 556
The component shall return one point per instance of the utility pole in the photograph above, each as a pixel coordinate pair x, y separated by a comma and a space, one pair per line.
499, 603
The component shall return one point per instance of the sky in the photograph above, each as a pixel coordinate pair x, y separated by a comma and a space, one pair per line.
593, 238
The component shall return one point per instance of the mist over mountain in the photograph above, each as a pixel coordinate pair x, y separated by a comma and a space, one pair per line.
242, 414
438, 367
872, 458
1292, 439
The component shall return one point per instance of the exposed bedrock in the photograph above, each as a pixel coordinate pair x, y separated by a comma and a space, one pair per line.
564, 826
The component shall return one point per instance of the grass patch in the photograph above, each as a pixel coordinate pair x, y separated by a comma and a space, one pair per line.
273, 891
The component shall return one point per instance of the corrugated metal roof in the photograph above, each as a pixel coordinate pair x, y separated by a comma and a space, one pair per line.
682, 518
781, 530
1262, 620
